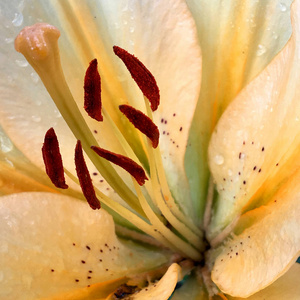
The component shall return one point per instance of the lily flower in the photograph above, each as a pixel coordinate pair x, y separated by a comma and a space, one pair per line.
178, 179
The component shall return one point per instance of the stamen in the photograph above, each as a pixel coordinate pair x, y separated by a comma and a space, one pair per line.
39, 45
85, 178
142, 123
92, 91
52, 160
124, 162
141, 75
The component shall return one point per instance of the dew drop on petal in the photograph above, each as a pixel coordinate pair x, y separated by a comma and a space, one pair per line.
22, 63
57, 114
36, 119
5, 143
275, 35
230, 172
261, 49
18, 19
11, 164
282, 7
9, 40
34, 77
219, 159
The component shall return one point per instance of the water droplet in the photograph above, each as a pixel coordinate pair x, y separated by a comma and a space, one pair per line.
36, 119
275, 35
8, 40
230, 172
18, 19
282, 7
22, 63
261, 49
219, 159
34, 77
11, 164
57, 113
5, 143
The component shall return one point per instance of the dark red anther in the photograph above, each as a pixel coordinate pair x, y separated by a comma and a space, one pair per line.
142, 123
124, 162
141, 75
52, 160
92, 91
85, 178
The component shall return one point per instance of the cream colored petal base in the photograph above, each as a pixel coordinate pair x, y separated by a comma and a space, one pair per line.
52, 244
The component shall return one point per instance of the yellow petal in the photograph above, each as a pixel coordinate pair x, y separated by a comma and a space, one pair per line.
238, 39
96, 291
254, 147
286, 287
264, 251
53, 244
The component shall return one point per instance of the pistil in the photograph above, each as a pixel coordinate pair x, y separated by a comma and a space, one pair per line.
38, 43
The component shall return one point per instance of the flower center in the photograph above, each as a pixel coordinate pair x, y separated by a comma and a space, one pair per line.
150, 205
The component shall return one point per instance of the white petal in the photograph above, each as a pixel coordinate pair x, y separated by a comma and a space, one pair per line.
42, 232
238, 39
255, 145
266, 249
286, 287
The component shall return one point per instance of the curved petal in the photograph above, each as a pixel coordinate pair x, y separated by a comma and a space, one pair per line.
265, 250
160, 33
255, 145
47, 238
286, 287
162, 289
238, 39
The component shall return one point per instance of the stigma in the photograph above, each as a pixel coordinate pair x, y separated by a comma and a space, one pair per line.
147, 199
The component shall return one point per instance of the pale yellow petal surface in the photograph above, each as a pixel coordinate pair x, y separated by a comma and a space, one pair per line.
286, 287
98, 291
253, 259
238, 39
255, 145
47, 238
